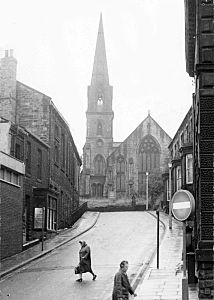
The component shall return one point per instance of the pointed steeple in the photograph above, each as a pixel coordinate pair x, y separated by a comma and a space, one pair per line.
100, 68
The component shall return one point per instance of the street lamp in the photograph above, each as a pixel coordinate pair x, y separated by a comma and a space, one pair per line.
147, 190
170, 195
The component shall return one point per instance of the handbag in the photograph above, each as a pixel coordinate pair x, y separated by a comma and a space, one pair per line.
77, 270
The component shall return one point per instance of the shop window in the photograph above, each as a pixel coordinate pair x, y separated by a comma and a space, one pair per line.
189, 168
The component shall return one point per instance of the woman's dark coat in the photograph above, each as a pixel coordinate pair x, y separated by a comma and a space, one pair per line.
122, 287
85, 258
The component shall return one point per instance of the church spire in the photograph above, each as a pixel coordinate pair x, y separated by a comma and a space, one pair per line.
100, 68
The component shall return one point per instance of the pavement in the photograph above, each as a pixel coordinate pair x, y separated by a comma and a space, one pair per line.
164, 283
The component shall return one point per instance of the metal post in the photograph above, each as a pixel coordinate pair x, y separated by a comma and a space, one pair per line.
185, 293
43, 218
157, 212
170, 196
147, 190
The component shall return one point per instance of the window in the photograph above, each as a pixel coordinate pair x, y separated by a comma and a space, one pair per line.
189, 168
9, 176
17, 151
39, 164
178, 178
51, 214
149, 155
100, 100
28, 158
63, 150
56, 153
120, 174
56, 131
99, 165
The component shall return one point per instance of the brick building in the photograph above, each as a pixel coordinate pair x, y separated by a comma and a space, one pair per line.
35, 111
102, 156
181, 159
199, 19
180, 176
11, 205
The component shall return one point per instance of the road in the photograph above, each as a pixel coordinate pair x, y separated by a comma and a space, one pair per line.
117, 236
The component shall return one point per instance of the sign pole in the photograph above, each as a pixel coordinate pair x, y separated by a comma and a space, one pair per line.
157, 212
43, 210
147, 190
185, 293
170, 196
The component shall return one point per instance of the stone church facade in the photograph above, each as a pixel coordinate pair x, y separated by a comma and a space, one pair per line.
110, 168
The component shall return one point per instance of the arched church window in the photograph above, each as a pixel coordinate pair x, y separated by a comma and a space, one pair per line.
99, 128
149, 154
99, 165
120, 173
148, 160
100, 100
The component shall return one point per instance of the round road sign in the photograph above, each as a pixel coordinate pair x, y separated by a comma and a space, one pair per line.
183, 205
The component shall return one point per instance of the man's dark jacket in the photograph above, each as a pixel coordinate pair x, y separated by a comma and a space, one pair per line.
122, 287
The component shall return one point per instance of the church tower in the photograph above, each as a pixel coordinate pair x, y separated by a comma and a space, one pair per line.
99, 115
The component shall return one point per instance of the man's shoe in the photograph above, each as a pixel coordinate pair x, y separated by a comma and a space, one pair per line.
94, 277
79, 280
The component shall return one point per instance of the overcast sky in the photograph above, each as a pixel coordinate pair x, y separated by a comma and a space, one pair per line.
54, 43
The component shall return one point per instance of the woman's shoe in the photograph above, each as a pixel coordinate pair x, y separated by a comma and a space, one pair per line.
94, 277
79, 280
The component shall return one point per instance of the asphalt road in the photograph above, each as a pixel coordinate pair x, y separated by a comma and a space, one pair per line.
117, 236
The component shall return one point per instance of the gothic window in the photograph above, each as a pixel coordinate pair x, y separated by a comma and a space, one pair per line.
120, 174
99, 128
100, 100
99, 165
149, 154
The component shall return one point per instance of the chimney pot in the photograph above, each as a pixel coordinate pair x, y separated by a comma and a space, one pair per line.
6, 53
11, 52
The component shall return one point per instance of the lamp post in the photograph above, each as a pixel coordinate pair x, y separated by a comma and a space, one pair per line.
170, 196
147, 190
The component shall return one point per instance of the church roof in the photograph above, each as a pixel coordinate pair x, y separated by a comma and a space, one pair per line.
140, 125
100, 68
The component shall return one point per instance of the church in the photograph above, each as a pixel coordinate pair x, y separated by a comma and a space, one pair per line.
112, 169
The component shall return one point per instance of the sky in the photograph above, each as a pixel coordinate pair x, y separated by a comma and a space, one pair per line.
54, 44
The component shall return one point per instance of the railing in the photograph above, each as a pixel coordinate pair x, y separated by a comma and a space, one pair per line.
78, 213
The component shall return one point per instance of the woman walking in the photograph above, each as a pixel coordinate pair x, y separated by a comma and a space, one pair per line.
85, 261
